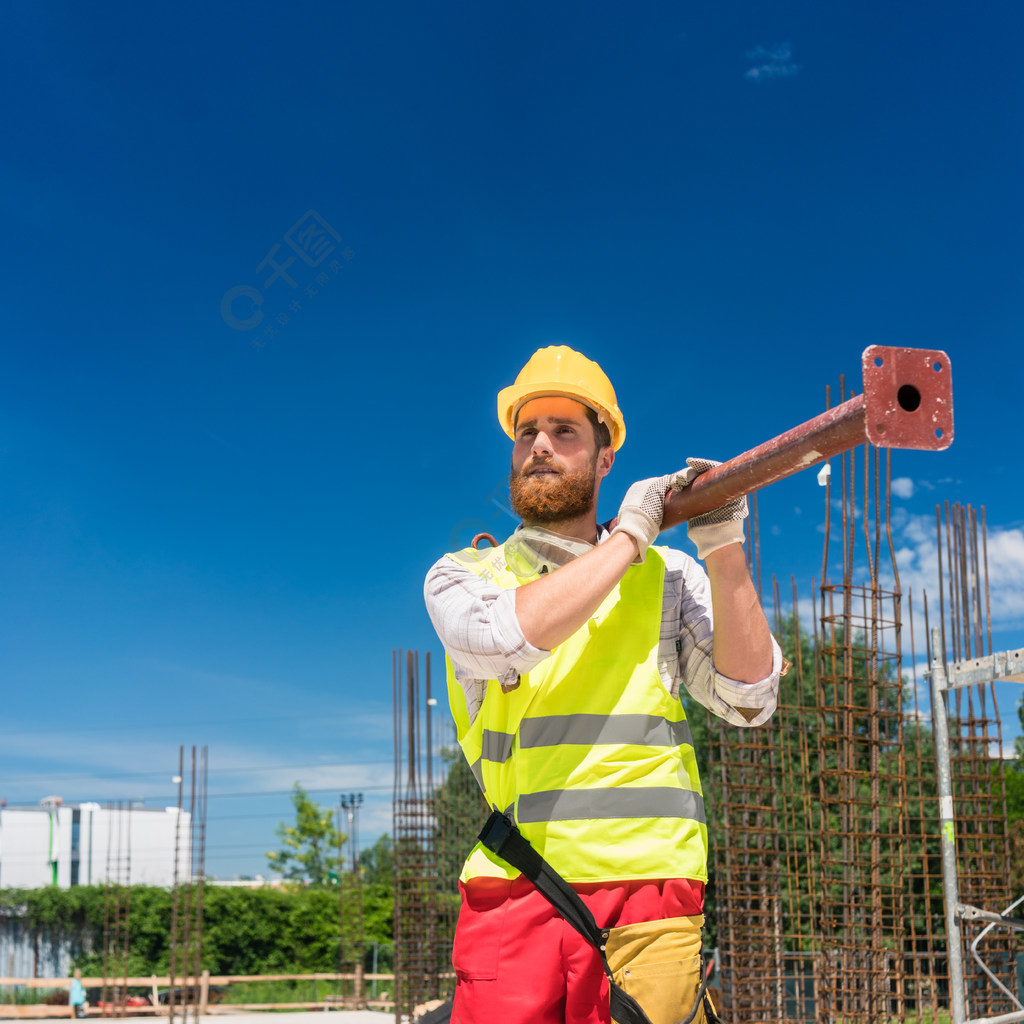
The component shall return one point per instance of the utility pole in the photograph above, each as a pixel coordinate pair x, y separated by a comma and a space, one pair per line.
341, 897
350, 805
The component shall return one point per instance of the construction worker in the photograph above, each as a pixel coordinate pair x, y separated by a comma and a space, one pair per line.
566, 649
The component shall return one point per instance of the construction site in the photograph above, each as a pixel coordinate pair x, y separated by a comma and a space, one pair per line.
859, 847
858, 842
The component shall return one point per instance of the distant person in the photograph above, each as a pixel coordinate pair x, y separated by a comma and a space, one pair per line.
77, 996
567, 646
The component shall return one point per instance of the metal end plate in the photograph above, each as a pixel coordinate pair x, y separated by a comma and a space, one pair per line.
908, 398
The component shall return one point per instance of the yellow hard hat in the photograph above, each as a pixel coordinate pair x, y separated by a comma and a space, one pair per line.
560, 370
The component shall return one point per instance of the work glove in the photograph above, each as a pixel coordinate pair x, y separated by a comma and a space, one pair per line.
643, 508
723, 525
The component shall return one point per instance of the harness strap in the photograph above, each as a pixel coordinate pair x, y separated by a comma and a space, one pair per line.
501, 836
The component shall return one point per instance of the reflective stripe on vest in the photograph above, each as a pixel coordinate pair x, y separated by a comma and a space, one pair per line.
604, 793
651, 730
637, 802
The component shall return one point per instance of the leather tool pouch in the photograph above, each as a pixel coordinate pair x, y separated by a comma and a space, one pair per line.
659, 964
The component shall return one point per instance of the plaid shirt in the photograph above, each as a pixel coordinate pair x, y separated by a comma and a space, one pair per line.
476, 621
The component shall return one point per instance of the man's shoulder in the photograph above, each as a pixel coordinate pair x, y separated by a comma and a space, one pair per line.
472, 558
487, 562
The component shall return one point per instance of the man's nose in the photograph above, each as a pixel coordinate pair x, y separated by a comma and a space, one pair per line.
541, 444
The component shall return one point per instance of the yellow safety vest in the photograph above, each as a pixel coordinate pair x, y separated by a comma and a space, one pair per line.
591, 755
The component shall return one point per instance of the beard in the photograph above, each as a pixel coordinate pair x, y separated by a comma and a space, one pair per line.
539, 500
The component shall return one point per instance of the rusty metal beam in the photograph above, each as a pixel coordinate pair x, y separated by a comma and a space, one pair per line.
907, 403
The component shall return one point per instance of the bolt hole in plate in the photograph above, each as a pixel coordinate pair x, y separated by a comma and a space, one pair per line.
908, 397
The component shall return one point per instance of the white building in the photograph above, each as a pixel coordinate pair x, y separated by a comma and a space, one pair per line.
88, 844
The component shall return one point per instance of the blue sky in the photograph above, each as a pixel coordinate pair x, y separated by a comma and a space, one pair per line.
218, 535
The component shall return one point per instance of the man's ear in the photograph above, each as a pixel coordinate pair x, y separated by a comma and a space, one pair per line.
605, 459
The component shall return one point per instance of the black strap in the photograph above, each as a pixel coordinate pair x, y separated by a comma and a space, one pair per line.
501, 836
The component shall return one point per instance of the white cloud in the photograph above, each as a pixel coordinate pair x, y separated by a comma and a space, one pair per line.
783, 52
768, 71
917, 559
774, 62
903, 487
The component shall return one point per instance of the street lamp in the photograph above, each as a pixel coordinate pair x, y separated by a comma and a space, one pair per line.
350, 804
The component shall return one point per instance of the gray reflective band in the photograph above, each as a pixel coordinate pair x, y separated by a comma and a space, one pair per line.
626, 802
643, 730
478, 773
496, 746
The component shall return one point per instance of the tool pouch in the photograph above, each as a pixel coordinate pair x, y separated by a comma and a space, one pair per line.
659, 964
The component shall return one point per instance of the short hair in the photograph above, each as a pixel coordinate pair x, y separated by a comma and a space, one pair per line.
602, 435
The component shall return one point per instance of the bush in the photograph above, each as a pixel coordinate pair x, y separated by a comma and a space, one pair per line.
293, 930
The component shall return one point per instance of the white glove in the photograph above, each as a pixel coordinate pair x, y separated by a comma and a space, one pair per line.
643, 508
723, 525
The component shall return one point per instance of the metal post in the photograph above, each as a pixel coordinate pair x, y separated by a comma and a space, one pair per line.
350, 804
907, 403
204, 993
943, 763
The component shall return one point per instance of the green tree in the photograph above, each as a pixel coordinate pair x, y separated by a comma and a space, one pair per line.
309, 851
291, 929
378, 923
1018, 743
378, 863
461, 813
1014, 773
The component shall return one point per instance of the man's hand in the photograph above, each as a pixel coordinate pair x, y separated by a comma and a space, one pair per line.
720, 526
643, 508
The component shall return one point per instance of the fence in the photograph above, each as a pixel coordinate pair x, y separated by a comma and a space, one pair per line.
359, 989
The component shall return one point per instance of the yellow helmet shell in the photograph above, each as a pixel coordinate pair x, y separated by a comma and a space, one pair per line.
562, 371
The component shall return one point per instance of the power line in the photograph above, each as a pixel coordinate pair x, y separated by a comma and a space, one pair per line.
164, 798
206, 722
220, 771
386, 788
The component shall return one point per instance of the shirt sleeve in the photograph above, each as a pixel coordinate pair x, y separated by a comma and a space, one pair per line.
477, 624
687, 623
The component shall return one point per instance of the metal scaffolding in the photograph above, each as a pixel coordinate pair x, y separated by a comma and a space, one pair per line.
862, 779
826, 896
827, 826
438, 811
117, 912
971, 780
186, 939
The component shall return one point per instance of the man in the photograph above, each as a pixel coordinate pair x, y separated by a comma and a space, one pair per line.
566, 649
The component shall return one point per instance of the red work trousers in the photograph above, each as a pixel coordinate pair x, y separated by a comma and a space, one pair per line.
517, 961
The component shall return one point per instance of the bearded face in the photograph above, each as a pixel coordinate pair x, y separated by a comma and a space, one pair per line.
544, 492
